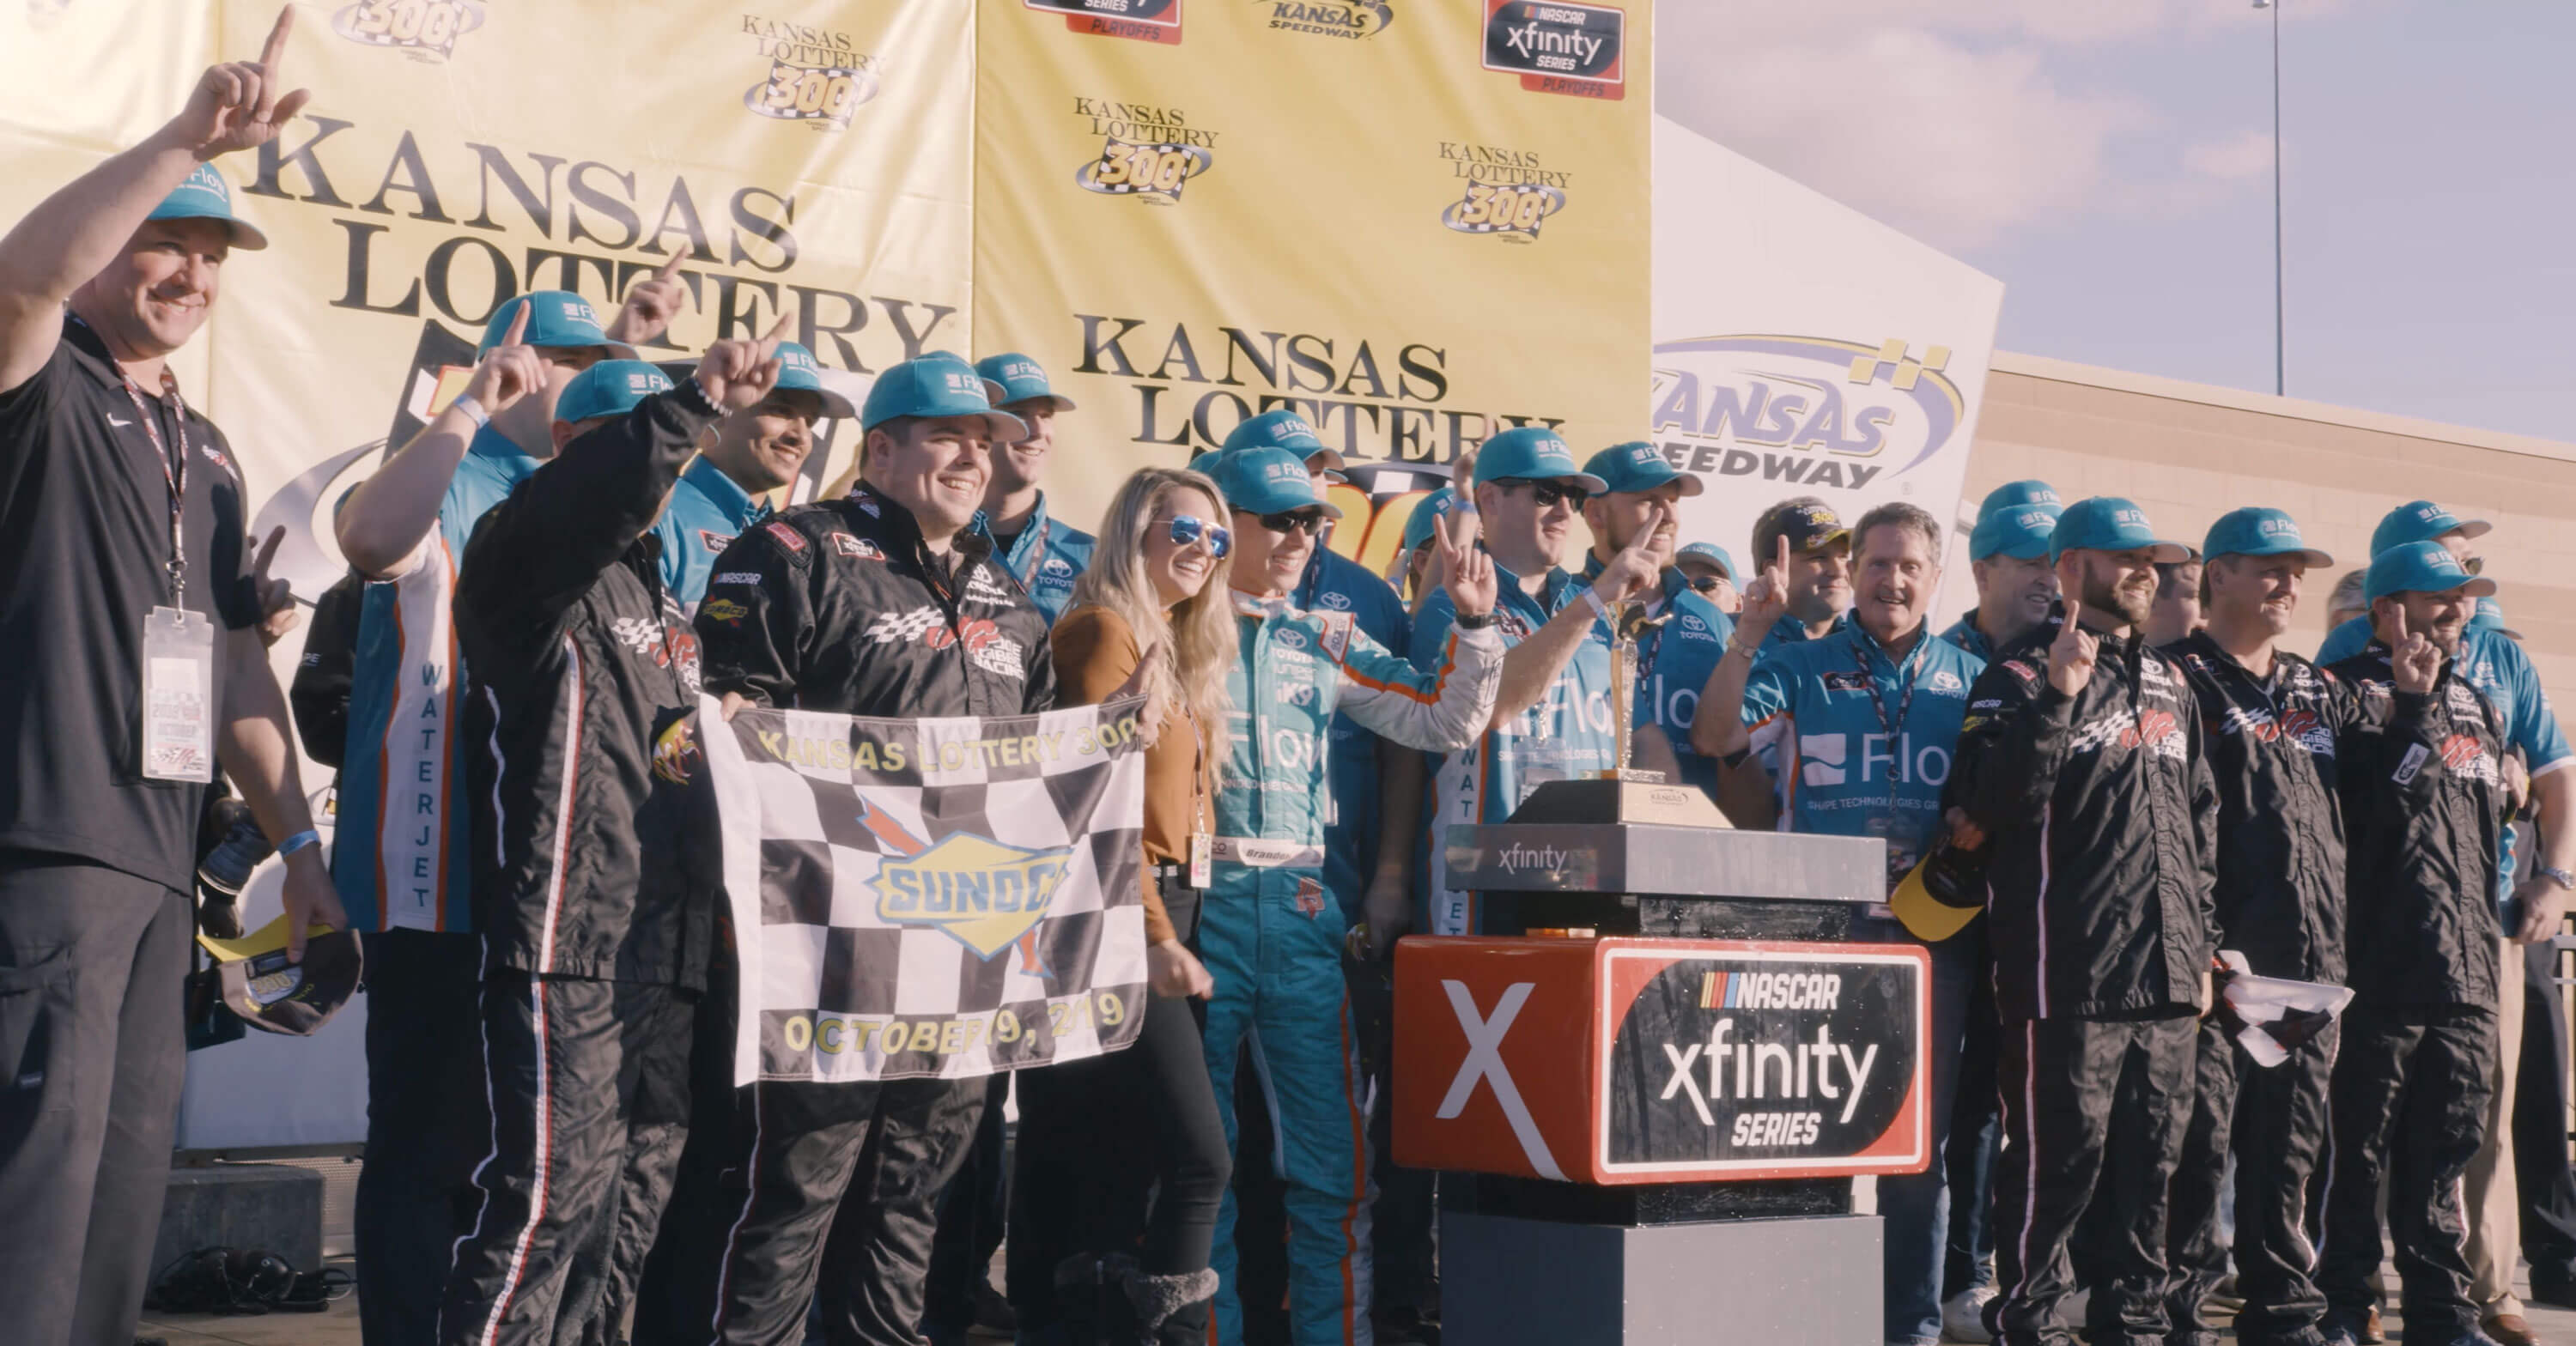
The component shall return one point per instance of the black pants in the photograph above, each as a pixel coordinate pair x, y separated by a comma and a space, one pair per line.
2080, 1095
675, 1295
428, 1125
2275, 1119
2195, 1256
1402, 1220
972, 1217
1976, 1127
2409, 1103
2542, 1173
91, 1058
585, 1078
789, 1234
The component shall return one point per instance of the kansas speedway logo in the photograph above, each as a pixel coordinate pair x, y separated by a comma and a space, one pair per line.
425, 30
1147, 152
975, 890
1559, 47
1329, 18
1509, 193
815, 76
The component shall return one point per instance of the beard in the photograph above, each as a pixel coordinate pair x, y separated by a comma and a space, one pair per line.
2133, 605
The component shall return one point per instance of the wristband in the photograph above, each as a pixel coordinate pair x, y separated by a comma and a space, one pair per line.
1599, 608
472, 410
2565, 881
1476, 622
307, 837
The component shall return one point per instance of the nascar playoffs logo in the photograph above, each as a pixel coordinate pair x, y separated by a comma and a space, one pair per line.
1802, 411
1147, 152
1558, 47
1509, 193
815, 76
425, 30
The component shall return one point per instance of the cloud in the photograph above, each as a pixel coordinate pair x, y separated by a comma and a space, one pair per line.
2246, 154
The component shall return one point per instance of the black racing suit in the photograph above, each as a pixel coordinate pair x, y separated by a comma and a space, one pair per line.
2274, 749
2098, 808
2423, 803
596, 916
840, 607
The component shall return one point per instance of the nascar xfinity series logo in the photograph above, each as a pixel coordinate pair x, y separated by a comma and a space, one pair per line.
425, 30
1139, 20
1147, 152
1558, 47
1329, 18
1802, 411
815, 76
975, 890
1508, 192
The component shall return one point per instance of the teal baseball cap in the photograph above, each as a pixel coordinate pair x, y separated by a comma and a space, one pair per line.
2425, 567
1638, 467
1283, 429
1427, 513
2109, 523
939, 383
798, 370
555, 318
2256, 531
2490, 617
1532, 453
2019, 495
2421, 521
1709, 552
1021, 379
609, 388
206, 196
1266, 481
2018, 530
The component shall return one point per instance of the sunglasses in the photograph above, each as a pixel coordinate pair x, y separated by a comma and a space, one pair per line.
2474, 564
1189, 528
1707, 584
1307, 521
1548, 493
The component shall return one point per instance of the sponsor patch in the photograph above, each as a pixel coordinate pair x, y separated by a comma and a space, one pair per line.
724, 610
787, 537
714, 541
735, 577
858, 548
1847, 681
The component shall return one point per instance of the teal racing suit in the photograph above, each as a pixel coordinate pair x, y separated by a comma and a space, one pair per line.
1271, 932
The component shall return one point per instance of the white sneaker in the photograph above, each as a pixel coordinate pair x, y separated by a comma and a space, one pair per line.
1963, 1316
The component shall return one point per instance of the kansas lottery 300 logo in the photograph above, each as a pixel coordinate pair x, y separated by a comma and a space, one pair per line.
1146, 152
1509, 193
816, 77
425, 30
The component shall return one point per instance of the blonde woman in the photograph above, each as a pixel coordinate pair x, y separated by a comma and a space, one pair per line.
1096, 1136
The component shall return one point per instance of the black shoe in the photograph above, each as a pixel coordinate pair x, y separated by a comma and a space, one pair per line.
1405, 1327
2553, 1291
993, 1315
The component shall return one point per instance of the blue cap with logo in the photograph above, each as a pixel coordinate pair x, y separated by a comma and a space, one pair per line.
1531, 453
2421, 568
2421, 521
206, 196
2019, 495
937, 384
1283, 429
2018, 530
609, 388
1021, 379
1427, 513
1711, 552
2109, 523
799, 371
2490, 617
1638, 467
555, 318
2256, 531
1266, 481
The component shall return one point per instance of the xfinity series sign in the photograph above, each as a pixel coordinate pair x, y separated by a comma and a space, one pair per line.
1773, 1061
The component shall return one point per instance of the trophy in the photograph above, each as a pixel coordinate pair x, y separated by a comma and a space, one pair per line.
1630, 620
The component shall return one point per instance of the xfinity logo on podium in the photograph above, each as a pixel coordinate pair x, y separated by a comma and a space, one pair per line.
1484, 1062
1517, 857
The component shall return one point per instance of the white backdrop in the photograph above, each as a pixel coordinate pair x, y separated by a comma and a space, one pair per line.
1802, 348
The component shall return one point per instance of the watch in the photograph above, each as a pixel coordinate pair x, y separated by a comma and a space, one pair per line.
1476, 622
2565, 881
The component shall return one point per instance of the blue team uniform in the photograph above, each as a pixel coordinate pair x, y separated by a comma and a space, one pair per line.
1336, 583
1673, 664
707, 511
1046, 557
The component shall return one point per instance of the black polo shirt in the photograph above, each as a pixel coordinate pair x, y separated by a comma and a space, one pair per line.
84, 551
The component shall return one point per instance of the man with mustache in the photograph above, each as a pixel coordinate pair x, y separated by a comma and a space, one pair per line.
2008, 555
1675, 657
752, 452
134, 667
2081, 764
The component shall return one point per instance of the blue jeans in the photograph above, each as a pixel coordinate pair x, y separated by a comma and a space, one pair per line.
1915, 1209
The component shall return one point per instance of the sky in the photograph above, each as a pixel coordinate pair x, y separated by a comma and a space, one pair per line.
2111, 162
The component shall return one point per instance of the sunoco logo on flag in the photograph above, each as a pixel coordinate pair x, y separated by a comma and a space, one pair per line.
939, 897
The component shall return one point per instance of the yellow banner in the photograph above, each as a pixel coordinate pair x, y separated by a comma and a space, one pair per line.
1415, 223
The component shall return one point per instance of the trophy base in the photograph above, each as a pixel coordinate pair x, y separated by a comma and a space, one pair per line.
1623, 797
1633, 775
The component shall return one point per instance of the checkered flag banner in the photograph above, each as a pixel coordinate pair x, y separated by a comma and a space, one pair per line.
931, 898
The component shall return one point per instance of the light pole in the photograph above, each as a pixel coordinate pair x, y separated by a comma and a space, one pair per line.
2280, 381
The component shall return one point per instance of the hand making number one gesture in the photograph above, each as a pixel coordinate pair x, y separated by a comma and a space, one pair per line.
651, 304
2070, 656
2414, 659
1766, 599
1467, 572
736, 374
236, 105
510, 371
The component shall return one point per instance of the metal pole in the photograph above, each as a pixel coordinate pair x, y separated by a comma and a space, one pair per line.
2280, 375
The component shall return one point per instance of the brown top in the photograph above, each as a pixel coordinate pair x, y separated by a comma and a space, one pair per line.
1095, 654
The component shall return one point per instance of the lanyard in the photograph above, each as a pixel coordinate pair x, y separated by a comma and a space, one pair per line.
176, 478
1037, 557
1904, 704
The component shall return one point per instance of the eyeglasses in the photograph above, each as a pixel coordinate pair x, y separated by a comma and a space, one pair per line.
1307, 521
1547, 493
1707, 584
1189, 528
2473, 564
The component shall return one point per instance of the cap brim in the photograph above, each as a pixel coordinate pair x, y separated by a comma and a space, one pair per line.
2308, 556
1842, 535
248, 238
2472, 528
836, 406
1586, 480
2028, 549
1924, 916
2169, 553
1007, 428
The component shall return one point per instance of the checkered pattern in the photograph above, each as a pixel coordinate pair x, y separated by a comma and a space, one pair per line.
842, 837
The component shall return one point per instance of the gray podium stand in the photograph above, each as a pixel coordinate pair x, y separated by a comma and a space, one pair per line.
1779, 1261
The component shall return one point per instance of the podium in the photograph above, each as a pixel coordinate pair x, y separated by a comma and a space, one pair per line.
1651, 1115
